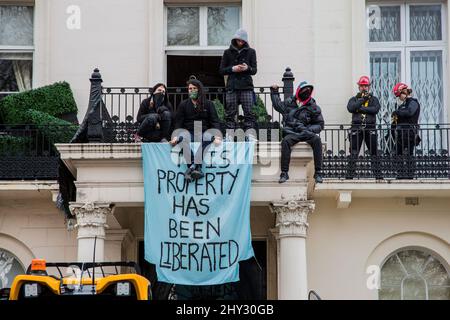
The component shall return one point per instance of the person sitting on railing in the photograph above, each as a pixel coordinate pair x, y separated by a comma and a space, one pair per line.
405, 122
198, 117
155, 116
239, 64
364, 108
302, 122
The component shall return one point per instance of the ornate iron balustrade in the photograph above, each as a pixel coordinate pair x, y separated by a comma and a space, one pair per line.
396, 155
123, 105
26, 152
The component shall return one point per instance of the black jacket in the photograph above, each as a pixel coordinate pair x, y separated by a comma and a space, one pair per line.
232, 57
306, 118
361, 114
147, 108
408, 113
187, 114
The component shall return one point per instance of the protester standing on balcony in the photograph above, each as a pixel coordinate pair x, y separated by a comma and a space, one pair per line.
198, 117
302, 122
239, 64
405, 121
364, 108
155, 116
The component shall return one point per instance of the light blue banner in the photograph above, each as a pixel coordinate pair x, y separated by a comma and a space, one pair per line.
196, 233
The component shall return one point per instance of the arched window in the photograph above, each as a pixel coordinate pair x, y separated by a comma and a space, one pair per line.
414, 275
9, 268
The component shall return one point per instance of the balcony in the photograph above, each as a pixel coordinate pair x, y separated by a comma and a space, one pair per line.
27, 154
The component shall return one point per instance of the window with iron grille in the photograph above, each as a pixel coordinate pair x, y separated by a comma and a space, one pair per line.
414, 275
16, 48
408, 44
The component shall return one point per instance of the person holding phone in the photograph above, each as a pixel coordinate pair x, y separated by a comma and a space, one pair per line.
239, 64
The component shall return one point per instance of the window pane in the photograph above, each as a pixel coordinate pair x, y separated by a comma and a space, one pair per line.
425, 23
222, 24
414, 288
385, 70
183, 26
389, 29
16, 26
15, 71
412, 274
427, 83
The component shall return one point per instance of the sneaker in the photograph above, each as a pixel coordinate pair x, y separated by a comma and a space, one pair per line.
188, 174
318, 177
164, 140
283, 177
197, 173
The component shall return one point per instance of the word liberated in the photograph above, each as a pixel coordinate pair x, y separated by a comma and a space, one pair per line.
211, 256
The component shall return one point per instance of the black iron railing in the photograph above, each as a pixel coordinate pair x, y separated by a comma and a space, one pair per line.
391, 153
27, 152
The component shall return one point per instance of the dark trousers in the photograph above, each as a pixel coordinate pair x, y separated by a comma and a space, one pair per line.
370, 138
205, 142
148, 128
292, 139
233, 100
404, 149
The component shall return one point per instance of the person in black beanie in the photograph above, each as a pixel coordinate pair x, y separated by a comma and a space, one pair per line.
155, 116
239, 65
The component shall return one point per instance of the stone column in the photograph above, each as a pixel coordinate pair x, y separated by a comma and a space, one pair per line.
292, 223
91, 225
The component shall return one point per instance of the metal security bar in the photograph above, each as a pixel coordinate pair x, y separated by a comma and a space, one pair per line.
27, 152
386, 152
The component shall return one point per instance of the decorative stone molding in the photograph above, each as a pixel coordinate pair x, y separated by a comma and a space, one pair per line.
292, 217
91, 218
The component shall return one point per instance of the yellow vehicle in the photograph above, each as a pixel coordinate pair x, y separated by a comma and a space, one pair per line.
102, 280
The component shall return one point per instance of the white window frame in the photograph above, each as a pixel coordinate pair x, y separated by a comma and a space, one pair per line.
203, 47
406, 46
20, 49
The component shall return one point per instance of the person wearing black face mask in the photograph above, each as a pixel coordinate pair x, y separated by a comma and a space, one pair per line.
155, 116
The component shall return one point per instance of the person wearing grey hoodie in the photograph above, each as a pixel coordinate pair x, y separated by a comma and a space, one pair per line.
239, 64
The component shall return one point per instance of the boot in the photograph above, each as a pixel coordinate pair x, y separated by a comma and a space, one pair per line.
188, 174
197, 172
318, 177
283, 177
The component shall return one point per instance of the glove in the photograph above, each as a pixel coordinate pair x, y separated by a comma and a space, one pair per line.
162, 109
300, 127
274, 89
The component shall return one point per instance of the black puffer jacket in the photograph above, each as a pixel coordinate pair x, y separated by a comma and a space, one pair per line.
147, 107
188, 114
408, 113
364, 110
297, 119
234, 56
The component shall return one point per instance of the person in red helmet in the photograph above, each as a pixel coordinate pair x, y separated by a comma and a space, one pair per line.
364, 108
405, 122
302, 122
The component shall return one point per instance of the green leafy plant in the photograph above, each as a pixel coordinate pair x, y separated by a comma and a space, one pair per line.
11, 145
54, 129
220, 109
56, 100
260, 111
